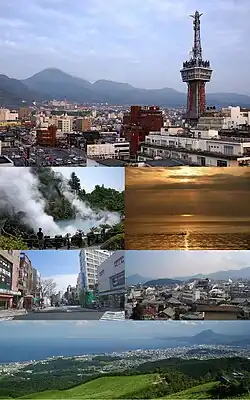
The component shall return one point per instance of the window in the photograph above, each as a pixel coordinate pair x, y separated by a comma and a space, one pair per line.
228, 150
119, 261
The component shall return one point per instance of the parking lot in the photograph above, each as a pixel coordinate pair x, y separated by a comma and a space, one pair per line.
44, 156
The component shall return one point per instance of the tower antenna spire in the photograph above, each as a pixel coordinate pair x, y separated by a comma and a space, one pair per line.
197, 50
196, 72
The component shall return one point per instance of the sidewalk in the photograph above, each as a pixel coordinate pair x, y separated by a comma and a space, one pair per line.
113, 316
12, 313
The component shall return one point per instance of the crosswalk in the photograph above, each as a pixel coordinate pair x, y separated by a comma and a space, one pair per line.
113, 316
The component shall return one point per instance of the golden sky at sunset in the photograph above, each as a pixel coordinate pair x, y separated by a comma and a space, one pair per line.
187, 194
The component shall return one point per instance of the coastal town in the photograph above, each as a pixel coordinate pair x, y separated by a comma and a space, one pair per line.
195, 299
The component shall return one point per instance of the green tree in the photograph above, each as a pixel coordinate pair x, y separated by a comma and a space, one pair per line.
9, 243
74, 182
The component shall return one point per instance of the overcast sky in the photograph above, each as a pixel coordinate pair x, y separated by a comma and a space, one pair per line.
110, 177
141, 42
62, 266
18, 330
159, 196
170, 264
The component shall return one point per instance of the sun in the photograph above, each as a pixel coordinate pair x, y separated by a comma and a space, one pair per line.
185, 180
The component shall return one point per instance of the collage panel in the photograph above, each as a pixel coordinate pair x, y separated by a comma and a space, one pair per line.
61, 208
187, 208
62, 285
129, 360
187, 286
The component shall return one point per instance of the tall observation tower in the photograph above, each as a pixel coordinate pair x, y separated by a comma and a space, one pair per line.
196, 72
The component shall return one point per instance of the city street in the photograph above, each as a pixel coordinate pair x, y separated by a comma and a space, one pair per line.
67, 313
62, 313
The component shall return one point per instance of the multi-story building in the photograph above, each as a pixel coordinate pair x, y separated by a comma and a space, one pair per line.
190, 297
226, 118
8, 115
25, 280
204, 148
65, 124
119, 150
4, 114
89, 263
139, 122
23, 113
36, 285
46, 136
83, 124
111, 281
9, 270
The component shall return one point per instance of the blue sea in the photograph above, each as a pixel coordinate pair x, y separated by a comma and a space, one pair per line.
39, 349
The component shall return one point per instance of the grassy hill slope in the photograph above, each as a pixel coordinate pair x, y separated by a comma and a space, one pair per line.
200, 392
101, 388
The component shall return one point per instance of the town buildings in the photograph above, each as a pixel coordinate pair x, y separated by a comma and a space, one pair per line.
9, 275
205, 147
111, 281
197, 299
20, 283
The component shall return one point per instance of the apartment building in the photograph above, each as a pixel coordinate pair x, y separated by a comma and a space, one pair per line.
9, 270
190, 297
65, 124
83, 124
89, 263
25, 281
8, 115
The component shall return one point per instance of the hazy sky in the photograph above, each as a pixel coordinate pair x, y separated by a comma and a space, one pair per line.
141, 42
110, 177
18, 330
170, 264
62, 266
186, 195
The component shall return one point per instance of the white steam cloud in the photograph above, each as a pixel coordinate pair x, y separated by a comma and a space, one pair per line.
19, 192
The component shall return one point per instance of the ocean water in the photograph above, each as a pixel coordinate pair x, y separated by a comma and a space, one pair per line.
195, 241
189, 237
39, 348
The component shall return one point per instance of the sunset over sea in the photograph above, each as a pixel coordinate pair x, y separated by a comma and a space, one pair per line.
187, 208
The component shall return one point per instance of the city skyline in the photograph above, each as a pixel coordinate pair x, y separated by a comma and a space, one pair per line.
225, 22
61, 266
116, 329
175, 264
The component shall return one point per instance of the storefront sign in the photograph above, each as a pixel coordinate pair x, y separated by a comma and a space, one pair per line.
6, 291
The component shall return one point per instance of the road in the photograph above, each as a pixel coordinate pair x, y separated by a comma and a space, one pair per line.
62, 313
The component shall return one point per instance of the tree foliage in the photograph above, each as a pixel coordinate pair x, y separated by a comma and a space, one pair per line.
10, 243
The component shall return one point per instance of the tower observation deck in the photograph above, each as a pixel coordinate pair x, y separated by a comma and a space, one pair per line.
196, 72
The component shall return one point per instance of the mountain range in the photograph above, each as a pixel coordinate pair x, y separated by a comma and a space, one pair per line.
243, 273
53, 83
209, 337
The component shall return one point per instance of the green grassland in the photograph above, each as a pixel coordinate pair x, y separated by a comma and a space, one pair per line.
102, 388
200, 392
122, 387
